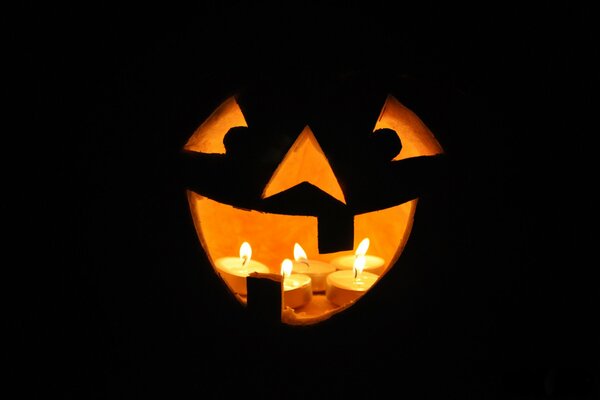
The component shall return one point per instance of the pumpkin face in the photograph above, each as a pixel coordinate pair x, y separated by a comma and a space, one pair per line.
275, 195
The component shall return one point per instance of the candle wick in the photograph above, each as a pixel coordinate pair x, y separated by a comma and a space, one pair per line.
305, 261
245, 258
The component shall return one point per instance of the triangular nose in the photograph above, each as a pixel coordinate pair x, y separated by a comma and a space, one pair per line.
305, 162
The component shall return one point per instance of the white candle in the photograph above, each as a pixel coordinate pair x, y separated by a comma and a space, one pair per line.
297, 288
373, 264
346, 286
235, 270
317, 270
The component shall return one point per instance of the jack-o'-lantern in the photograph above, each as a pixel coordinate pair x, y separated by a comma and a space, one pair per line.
308, 192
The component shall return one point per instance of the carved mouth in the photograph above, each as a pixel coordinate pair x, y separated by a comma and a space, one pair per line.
222, 228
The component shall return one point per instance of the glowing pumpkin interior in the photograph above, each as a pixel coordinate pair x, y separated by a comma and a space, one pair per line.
222, 228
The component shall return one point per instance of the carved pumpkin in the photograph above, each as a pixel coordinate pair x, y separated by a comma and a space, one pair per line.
272, 172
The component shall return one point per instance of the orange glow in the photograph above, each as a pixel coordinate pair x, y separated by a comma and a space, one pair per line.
221, 227
272, 235
305, 162
208, 138
416, 138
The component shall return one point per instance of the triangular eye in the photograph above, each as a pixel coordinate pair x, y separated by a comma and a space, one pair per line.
305, 162
416, 138
208, 138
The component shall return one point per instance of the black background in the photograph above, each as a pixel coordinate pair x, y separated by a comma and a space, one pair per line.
494, 295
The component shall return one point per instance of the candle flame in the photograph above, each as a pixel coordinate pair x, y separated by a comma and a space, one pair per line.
286, 267
359, 265
299, 253
362, 248
245, 252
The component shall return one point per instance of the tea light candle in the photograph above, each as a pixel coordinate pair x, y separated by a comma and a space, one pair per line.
297, 288
373, 264
317, 270
346, 286
234, 270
